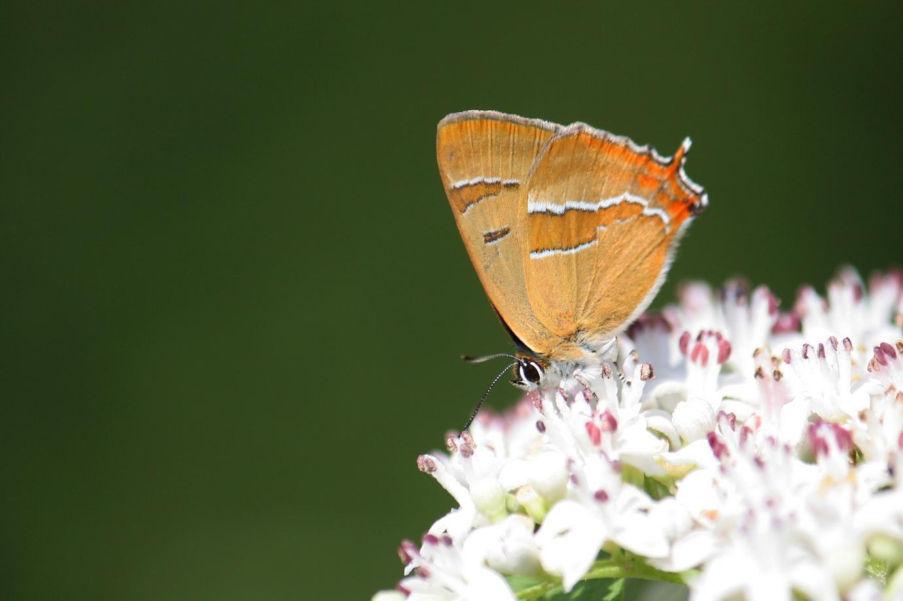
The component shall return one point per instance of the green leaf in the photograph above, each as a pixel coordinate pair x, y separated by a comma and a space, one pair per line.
632, 475
615, 591
656, 489
519, 583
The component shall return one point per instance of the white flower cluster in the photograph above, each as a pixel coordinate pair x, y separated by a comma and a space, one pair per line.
754, 453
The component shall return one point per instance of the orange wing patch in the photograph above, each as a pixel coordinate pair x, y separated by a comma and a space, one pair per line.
466, 193
576, 225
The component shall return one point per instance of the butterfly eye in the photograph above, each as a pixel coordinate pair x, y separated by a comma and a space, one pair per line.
530, 371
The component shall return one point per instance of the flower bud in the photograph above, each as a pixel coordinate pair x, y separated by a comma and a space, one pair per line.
549, 476
489, 498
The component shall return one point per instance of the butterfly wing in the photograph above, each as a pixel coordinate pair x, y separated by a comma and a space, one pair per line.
603, 218
484, 159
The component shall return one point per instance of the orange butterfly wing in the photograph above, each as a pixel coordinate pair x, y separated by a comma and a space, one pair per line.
484, 159
603, 219
570, 230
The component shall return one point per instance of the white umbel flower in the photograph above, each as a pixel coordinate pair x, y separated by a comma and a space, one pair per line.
748, 452
600, 508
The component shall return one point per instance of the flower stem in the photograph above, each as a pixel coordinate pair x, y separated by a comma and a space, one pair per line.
537, 591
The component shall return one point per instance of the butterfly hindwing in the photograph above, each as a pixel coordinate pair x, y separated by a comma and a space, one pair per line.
603, 219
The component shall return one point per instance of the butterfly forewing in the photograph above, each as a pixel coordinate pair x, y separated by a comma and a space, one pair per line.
484, 159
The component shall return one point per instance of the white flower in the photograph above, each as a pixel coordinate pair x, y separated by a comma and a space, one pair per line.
444, 570
822, 377
751, 506
744, 319
693, 419
852, 311
599, 509
781, 525
763, 563
689, 543
778, 414
482, 468
507, 547
770, 444
605, 417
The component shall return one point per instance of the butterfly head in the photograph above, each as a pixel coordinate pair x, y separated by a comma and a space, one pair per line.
528, 372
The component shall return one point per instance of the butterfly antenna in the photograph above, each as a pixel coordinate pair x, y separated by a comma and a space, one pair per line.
476, 409
484, 358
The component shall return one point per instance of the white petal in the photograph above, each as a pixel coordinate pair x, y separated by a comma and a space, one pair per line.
489, 497
507, 547
659, 421
699, 494
427, 596
631, 499
793, 421
456, 522
485, 585
697, 453
569, 541
770, 588
688, 551
668, 394
389, 596
448, 481
882, 514
741, 409
640, 442
514, 474
721, 578
814, 581
549, 475
867, 590
637, 532
693, 419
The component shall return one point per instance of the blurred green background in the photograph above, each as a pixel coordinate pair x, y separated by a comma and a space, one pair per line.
233, 292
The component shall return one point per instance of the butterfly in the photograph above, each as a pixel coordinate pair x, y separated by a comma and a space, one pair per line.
571, 229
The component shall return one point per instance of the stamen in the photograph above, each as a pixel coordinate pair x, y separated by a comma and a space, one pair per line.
718, 447
684, 342
608, 421
426, 464
724, 350
594, 433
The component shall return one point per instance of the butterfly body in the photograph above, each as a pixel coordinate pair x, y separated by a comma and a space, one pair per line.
570, 229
